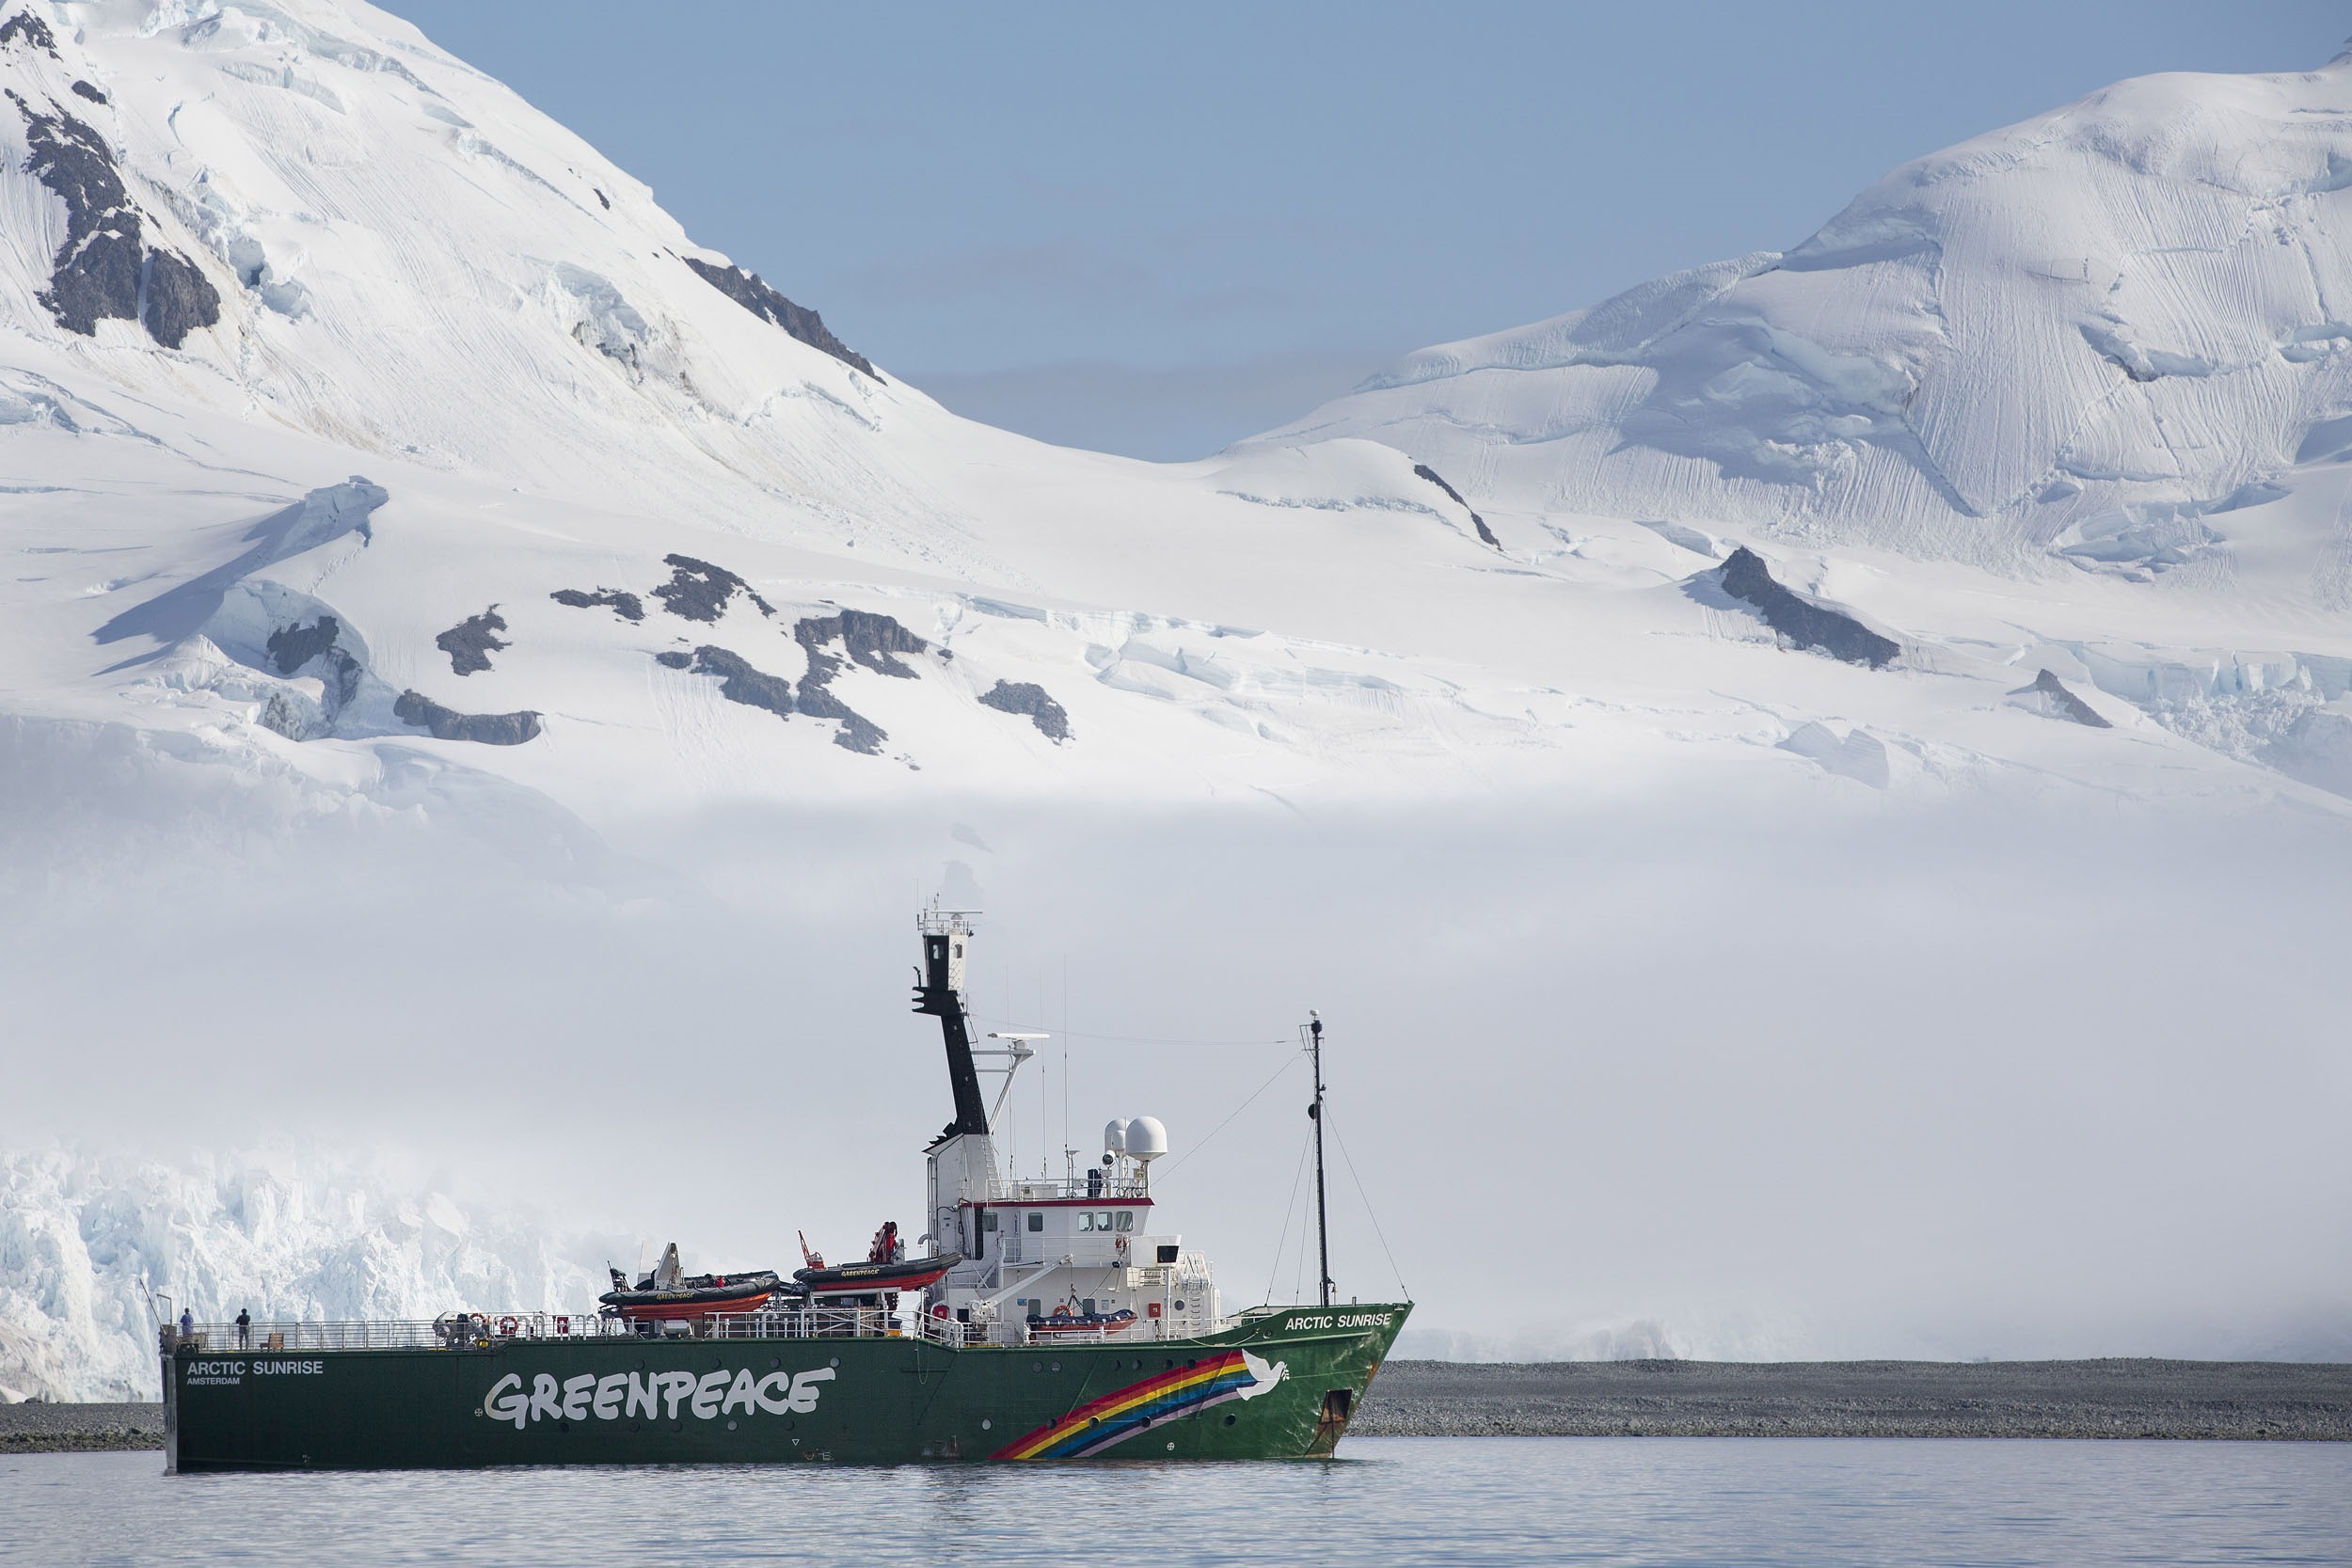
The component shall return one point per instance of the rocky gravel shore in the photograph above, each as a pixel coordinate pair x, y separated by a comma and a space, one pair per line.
2271, 1400
50, 1428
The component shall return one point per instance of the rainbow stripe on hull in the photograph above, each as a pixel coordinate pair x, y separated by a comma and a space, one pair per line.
1106, 1423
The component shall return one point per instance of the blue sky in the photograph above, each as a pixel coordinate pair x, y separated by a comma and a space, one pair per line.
1154, 229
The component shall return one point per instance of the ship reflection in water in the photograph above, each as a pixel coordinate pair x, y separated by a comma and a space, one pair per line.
1819, 1503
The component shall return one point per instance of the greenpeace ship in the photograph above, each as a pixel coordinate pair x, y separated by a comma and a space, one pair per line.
1050, 1319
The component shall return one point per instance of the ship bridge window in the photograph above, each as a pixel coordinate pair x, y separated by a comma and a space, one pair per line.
1127, 1219
1086, 1219
988, 1219
1037, 1220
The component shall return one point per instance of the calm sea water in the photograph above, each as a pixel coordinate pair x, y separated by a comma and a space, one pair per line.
1393, 1500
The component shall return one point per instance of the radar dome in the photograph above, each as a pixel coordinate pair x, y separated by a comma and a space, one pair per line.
1115, 1135
1146, 1138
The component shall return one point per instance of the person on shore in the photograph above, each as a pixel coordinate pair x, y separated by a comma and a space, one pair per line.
244, 1329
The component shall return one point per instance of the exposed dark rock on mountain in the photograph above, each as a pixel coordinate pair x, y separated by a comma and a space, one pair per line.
178, 300
602, 196
83, 89
747, 289
869, 639
292, 647
699, 591
29, 30
2061, 703
295, 648
738, 681
858, 733
626, 606
1025, 697
470, 643
1425, 472
1744, 577
103, 272
488, 729
95, 275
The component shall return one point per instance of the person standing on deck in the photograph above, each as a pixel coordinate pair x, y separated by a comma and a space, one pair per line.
244, 1329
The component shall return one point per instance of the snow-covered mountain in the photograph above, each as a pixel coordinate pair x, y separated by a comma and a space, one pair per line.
2107, 346
633, 526
378, 459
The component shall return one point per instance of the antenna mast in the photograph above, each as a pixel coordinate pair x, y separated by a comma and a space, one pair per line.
1323, 1215
939, 991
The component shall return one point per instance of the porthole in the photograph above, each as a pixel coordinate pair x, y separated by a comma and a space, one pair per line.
774, 1361
835, 1362
1171, 1447
641, 1363
1057, 1366
635, 1427
1229, 1420
986, 1423
1037, 1366
730, 1426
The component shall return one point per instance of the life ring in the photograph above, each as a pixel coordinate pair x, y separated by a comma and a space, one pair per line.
1062, 1311
507, 1327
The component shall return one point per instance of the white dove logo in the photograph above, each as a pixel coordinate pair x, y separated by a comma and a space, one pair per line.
1266, 1375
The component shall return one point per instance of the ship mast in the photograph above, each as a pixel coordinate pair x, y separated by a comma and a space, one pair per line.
939, 991
1323, 1215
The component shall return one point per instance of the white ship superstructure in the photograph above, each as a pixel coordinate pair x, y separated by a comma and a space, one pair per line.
1080, 1256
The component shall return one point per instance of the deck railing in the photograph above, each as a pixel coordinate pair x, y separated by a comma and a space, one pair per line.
1054, 1189
481, 1328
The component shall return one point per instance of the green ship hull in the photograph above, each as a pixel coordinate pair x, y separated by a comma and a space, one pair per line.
1277, 1384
